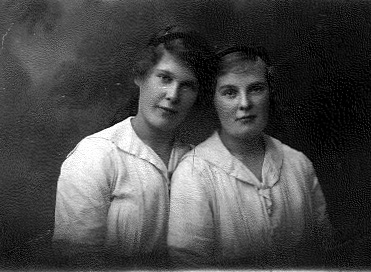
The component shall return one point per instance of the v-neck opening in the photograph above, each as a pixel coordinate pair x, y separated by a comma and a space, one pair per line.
220, 156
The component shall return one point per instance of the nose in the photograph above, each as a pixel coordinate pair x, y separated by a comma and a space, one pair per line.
173, 93
245, 103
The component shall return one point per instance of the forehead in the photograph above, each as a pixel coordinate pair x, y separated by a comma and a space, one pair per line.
171, 64
246, 72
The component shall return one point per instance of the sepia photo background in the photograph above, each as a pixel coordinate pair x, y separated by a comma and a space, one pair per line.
66, 72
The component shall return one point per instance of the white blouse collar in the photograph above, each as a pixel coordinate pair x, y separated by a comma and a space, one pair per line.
125, 138
214, 151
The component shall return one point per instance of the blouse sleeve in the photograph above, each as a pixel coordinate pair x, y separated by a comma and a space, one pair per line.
322, 225
83, 197
191, 229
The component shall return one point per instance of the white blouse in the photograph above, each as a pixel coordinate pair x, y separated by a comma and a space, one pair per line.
220, 211
113, 191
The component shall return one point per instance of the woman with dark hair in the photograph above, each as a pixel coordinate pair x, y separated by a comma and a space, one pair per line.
242, 197
113, 189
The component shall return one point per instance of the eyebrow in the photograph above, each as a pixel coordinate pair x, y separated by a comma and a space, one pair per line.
227, 86
194, 80
253, 85
165, 72
258, 84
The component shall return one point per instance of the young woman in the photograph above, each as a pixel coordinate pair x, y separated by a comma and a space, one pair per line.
242, 197
113, 190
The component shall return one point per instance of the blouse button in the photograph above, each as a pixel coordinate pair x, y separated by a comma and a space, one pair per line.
265, 193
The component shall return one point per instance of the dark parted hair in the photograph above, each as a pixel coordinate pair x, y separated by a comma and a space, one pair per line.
187, 46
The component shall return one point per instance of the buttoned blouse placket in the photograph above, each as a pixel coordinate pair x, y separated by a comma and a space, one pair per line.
263, 189
167, 172
270, 175
164, 171
171, 167
151, 157
264, 193
241, 173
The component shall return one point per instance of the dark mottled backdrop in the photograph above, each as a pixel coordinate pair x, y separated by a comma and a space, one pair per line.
65, 72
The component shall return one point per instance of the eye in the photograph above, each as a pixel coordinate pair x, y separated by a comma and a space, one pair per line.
229, 92
165, 79
258, 89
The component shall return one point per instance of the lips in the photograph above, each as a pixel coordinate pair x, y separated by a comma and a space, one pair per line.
168, 110
246, 118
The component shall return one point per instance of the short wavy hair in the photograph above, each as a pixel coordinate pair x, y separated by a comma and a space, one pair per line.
187, 46
232, 59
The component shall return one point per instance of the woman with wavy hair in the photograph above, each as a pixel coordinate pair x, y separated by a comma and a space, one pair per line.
113, 189
243, 197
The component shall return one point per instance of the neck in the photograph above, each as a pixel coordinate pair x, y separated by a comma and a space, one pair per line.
159, 141
250, 147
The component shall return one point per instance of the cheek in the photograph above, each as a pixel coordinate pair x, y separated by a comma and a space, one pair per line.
144, 92
223, 109
144, 99
263, 104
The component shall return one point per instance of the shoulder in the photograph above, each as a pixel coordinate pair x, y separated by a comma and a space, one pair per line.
200, 152
96, 152
183, 148
90, 155
290, 154
113, 134
101, 143
294, 160
191, 162
196, 160
193, 174
92, 148
91, 164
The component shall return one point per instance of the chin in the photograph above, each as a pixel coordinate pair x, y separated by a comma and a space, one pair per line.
165, 126
249, 134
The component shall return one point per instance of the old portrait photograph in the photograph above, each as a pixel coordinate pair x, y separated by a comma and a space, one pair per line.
185, 134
